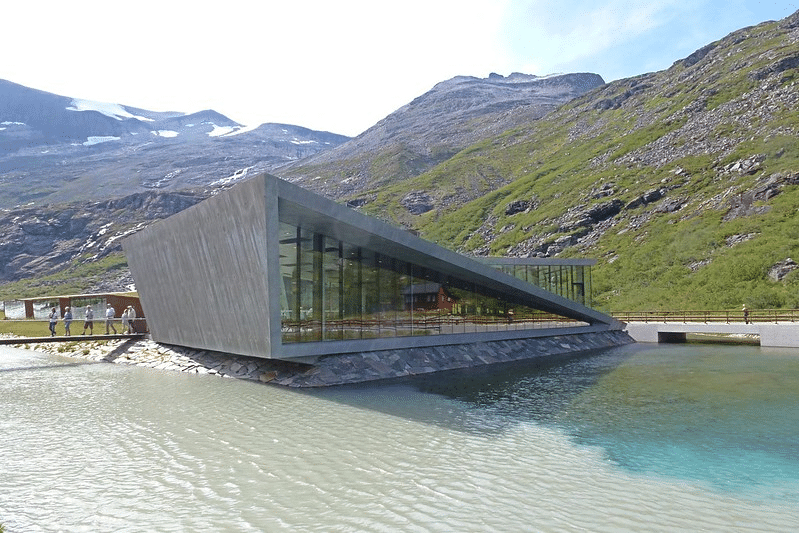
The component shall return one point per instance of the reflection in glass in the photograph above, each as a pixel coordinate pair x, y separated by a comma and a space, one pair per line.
567, 280
334, 290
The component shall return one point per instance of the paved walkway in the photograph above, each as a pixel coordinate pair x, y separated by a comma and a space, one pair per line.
70, 338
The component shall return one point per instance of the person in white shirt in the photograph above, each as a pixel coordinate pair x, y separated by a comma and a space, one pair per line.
131, 319
125, 323
89, 322
53, 316
110, 313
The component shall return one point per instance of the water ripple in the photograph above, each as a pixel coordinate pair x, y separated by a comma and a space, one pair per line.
104, 448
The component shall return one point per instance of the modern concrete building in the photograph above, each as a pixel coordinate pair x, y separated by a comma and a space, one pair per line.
268, 269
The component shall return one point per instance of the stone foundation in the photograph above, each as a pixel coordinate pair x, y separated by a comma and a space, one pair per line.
334, 369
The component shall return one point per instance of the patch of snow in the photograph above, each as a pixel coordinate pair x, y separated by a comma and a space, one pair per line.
102, 139
240, 174
115, 111
161, 182
165, 133
228, 131
103, 229
7, 123
219, 131
240, 130
297, 141
116, 237
93, 242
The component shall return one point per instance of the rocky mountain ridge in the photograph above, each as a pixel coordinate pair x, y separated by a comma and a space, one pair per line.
124, 183
435, 126
56, 149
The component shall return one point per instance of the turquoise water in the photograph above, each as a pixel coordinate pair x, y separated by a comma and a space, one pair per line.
640, 438
725, 416
730, 419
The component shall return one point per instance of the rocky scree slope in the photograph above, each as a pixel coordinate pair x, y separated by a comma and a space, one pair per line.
41, 241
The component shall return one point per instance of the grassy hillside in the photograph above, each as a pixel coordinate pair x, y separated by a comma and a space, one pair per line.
682, 183
76, 278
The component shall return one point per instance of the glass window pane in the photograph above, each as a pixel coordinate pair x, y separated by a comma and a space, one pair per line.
334, 290
333, 270
351, 280
289, 288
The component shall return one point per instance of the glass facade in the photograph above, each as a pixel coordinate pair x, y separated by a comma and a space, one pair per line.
334, 290
567, 280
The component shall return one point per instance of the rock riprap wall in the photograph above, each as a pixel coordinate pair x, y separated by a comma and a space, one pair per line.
335, 369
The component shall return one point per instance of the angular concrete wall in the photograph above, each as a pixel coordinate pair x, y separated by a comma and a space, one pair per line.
202, 277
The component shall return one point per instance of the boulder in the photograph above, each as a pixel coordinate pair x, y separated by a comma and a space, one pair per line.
520, 206
417, 202
782, 269
605, 210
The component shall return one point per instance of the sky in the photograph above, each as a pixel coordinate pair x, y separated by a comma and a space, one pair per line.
340, 66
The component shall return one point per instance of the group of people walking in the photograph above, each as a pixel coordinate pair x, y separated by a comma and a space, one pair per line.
128, 320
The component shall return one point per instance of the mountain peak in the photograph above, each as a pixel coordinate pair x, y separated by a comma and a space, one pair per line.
436, 125
58, 149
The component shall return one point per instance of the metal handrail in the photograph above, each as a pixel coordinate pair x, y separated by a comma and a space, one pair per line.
737, 316
140, 322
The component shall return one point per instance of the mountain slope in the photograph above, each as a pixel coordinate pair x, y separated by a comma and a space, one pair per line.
73, 248
31, 117
59, 149
682, 182
154, 164
432, 128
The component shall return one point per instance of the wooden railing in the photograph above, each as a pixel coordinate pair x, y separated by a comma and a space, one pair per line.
737, 316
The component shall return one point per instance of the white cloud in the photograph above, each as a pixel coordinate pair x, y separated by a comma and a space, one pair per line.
546, 35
